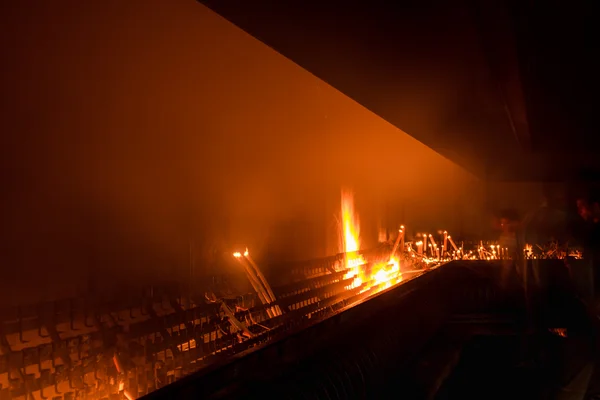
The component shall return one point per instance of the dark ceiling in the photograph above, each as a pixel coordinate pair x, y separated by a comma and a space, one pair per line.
504, 88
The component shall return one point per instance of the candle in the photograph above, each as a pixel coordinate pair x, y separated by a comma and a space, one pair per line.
443, 252
430, 249
420, 248
402, 240
445, 247
425, 242
452, 243
395, 248
437, 253
432, 240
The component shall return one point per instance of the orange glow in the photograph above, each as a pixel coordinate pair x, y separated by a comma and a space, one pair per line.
382, 273
351, 239
386, 275
350, 224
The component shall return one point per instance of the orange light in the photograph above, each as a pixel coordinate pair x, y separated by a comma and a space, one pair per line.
384, 274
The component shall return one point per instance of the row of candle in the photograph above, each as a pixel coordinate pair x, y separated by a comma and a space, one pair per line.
423, 246
428, 248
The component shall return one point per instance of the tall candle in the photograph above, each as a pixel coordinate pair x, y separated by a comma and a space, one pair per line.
432, 240
452, 243
403, 236
445, 247
395, 248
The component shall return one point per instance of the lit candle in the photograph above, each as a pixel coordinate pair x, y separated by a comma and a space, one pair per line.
402, 241
430, 249
445, 247
420, 248
395, 248
432, 240
452, 243
425, 242
443, 253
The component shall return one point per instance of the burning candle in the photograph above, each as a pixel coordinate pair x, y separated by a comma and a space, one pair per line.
430, 249
452, 243
443, 252
437, 253
420, 248
402, 240
425, 241
432, 240
398, 239
445, 246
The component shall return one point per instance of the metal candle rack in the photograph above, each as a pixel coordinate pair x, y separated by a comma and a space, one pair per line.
89, 348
